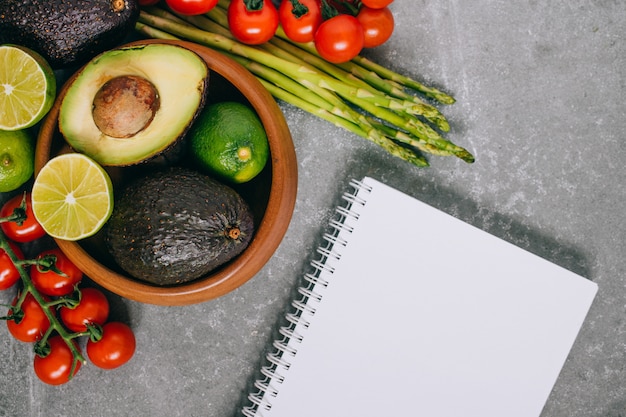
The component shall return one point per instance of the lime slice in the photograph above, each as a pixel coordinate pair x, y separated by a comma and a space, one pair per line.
72, 197
27, 87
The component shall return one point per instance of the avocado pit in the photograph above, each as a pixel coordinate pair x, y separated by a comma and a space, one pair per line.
125, 105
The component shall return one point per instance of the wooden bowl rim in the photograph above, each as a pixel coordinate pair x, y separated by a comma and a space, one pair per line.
270, 231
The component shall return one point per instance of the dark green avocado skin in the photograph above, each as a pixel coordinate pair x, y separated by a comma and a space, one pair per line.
171, 226
68, 33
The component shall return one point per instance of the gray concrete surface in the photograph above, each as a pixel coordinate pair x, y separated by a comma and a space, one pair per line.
540, 88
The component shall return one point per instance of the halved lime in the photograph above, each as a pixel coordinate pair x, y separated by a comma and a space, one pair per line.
72, 197
27, 87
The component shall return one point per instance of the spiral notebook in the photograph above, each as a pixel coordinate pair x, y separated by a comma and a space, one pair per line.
410, 311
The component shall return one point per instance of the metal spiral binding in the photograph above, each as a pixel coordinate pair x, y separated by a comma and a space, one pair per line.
283, 346
271, 374
334, 240
315, 280
328, 253
289, 333
309, 293
338, 225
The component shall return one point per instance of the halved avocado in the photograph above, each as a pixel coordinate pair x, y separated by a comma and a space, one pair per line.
131, 104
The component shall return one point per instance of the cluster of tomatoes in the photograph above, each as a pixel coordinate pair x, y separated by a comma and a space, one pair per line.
56, 284
339, 29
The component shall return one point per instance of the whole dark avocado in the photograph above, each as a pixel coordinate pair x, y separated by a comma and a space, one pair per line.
176, 225
67, 32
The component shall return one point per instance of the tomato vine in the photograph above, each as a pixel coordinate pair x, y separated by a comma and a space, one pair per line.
49, 341
40, 346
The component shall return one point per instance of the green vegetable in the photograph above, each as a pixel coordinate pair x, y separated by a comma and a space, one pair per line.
360, 96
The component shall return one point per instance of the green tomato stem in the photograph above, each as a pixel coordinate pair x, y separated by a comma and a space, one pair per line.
19, 214
328, 11
298, 9
254, 5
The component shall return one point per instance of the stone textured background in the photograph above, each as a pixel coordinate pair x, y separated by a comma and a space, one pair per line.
540, 89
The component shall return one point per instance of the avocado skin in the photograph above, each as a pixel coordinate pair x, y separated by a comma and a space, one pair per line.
171, 226
66, 32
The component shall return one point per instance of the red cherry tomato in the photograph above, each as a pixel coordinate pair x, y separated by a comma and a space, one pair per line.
115, 348
339, 39
29, 230
378, 25
56, 367
92, 308
191, 7
252, 27
9, 274
300, 25
51, 283
33, 324
376, 4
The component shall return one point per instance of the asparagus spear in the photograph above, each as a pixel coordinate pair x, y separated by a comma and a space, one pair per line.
387, 144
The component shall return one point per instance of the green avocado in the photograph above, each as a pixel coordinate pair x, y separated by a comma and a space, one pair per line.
67, 32
132, 104
176, 225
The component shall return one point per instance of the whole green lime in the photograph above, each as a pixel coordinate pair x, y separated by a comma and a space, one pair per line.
229, 141
17, 159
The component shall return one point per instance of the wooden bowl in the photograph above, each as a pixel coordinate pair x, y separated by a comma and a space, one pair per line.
271, 194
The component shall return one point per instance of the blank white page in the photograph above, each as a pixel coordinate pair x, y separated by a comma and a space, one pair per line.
426, 315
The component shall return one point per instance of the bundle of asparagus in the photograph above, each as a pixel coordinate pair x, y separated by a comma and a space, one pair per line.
360, 96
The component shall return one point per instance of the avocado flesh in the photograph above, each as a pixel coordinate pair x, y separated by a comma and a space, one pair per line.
179, 76
67, 32
177, 225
